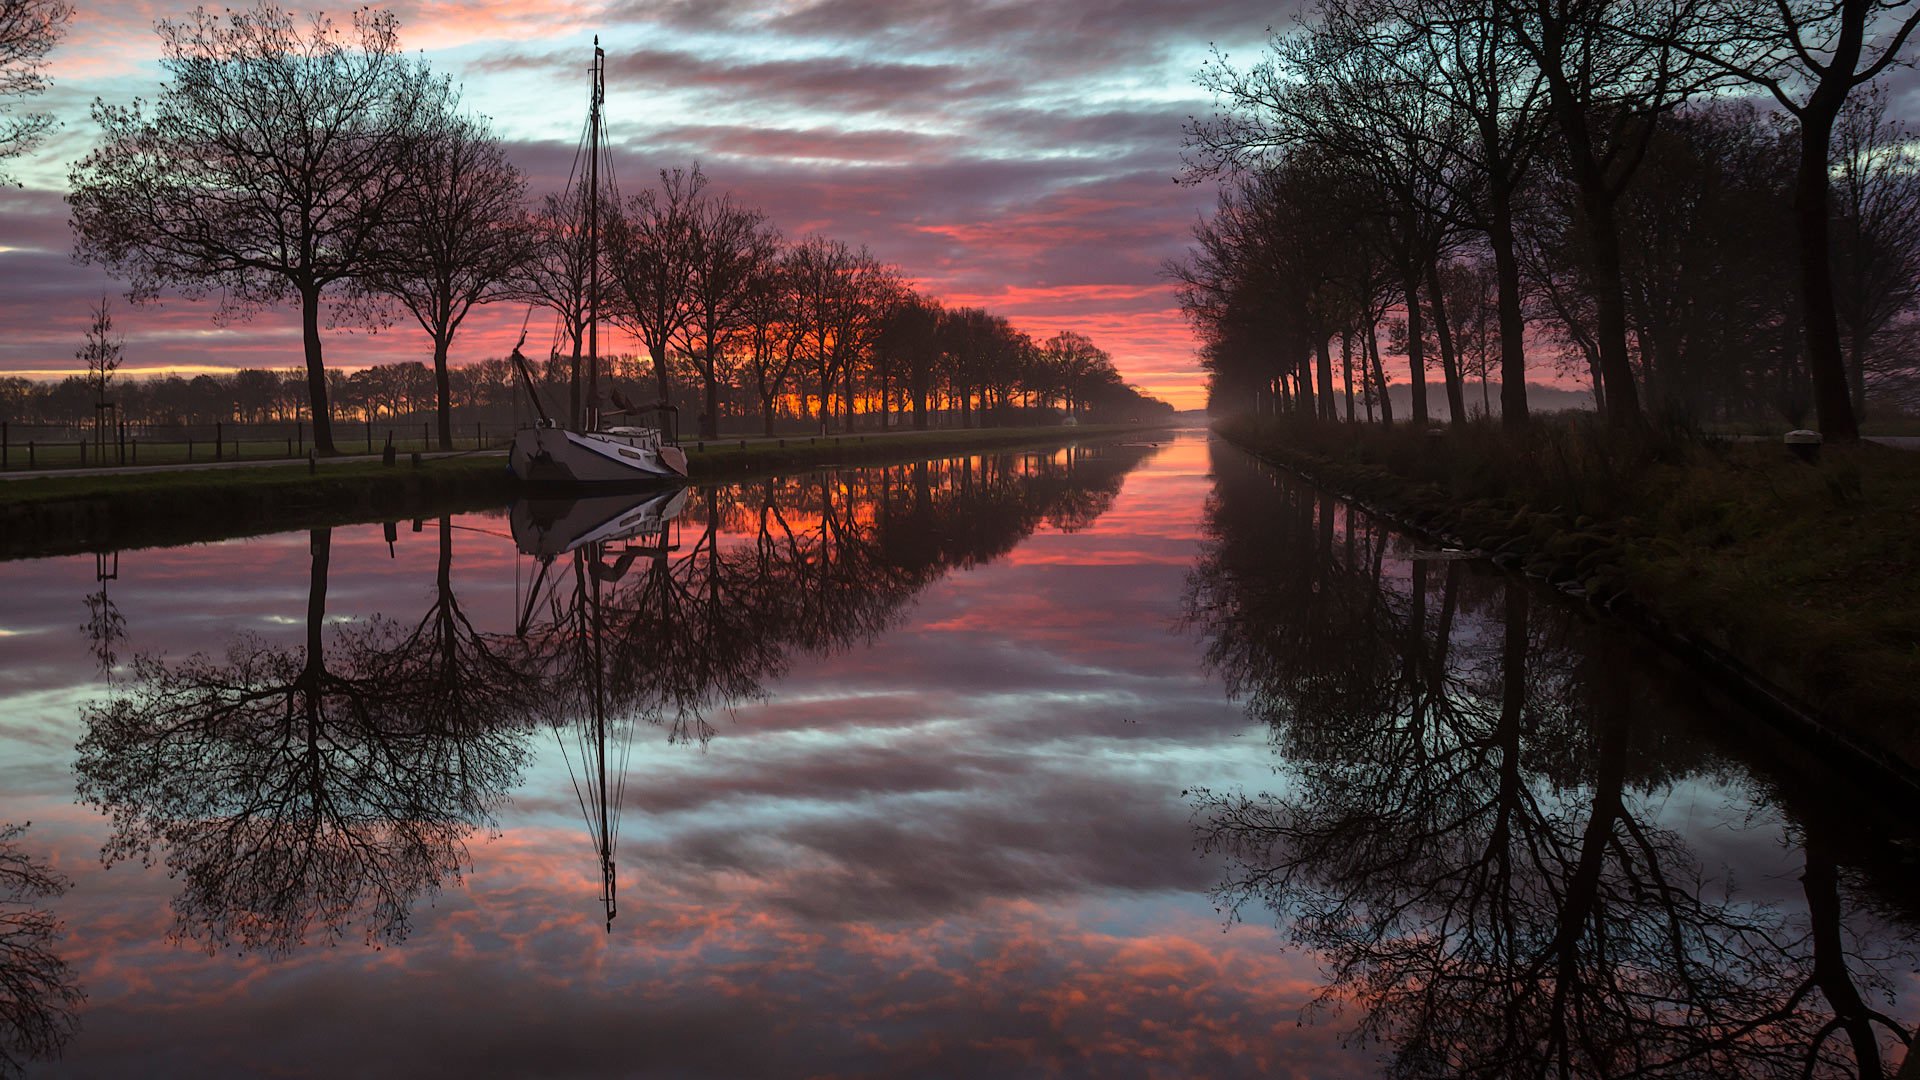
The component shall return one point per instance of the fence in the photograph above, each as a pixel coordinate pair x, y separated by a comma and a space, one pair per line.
40, 446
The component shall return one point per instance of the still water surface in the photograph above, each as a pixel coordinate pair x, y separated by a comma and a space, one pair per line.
1133, 759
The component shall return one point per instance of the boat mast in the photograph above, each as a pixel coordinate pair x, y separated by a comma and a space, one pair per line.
593, 237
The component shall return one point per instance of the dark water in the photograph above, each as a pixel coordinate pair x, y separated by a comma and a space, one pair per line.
1125, 760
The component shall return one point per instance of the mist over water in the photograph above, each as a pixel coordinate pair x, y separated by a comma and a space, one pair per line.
1118, 760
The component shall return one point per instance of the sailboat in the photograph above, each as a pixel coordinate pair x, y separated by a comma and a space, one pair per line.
598, 453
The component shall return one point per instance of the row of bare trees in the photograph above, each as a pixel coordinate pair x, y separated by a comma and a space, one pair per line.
310, 162
1575, 174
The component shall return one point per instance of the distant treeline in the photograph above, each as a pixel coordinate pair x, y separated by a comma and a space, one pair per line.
1584, 185
489, 389
292, 160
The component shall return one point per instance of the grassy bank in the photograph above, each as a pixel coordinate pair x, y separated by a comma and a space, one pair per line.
63, 514
1803, 580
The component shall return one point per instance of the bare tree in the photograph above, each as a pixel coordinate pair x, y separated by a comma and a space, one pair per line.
1612, 67
651, 250
1811, 55
268, 169
461, 238
29, 29
733, 246
1876, 242
101, 352
827, 279
554, 275
772, 337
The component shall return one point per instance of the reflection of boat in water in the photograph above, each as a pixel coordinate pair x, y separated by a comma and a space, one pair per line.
546, 528
603, 536
593, 452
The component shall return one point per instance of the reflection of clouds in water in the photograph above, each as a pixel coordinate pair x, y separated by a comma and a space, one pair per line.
960, 849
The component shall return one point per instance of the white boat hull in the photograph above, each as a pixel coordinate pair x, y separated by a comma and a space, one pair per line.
566, 458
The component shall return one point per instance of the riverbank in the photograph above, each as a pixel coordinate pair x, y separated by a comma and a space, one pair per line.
55, 515
1797, 585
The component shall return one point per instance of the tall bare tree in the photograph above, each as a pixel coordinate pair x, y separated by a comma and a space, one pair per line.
554, 275
269, 168
651, 249
733, 247
461, 237
1611, 67
29, 29
1876, 245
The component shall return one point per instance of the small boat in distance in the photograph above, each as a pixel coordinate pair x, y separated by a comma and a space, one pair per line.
591, 452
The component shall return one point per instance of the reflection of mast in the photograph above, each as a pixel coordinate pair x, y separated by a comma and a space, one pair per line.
594, 800
605, 536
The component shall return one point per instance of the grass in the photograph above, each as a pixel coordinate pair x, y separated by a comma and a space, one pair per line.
69, 455
1807, 575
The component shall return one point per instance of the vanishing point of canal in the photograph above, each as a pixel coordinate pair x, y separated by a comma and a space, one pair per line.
1129, 759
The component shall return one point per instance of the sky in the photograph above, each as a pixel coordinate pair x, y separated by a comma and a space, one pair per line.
1016, 156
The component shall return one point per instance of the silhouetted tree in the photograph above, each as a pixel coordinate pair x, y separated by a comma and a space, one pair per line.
271, 166
651, 250
458, 239
29, 29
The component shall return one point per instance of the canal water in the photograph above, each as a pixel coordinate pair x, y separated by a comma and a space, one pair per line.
1129, 759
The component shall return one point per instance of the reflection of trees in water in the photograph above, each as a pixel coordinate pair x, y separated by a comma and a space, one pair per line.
1470, 836
105, 627
304, 789
38, 997
765, 571
666, 625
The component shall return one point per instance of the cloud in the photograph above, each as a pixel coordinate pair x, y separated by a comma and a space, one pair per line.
997, 152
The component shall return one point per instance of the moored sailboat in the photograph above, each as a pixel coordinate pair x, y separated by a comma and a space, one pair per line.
593, 452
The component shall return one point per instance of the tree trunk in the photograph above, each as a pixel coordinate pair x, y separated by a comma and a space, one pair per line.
658, 353
1825, 362
1346, 369
573, 378
316, 370
710, 420
1610, 307
1416, 345
1379, 372
920, 403
443, 387
1329, 409
1513, 326
1449, 359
